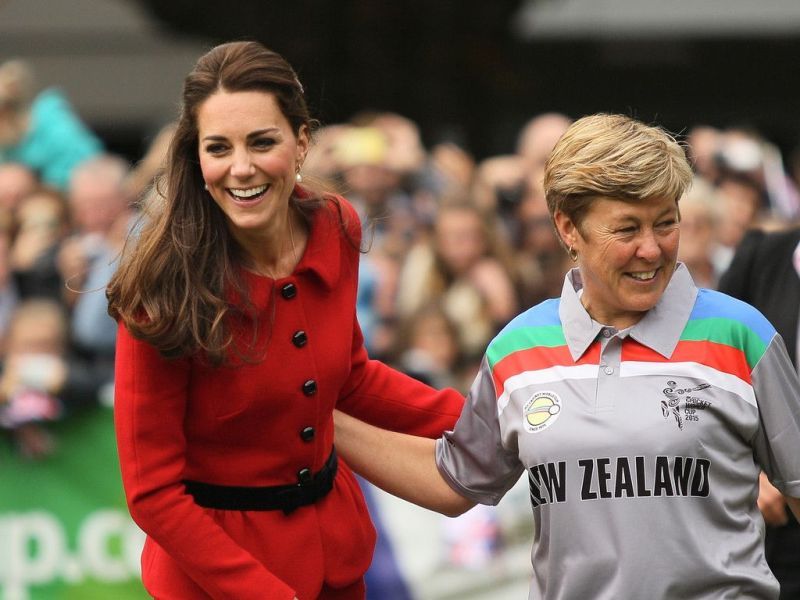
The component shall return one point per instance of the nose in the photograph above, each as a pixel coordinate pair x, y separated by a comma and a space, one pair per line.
648, 248
242, 167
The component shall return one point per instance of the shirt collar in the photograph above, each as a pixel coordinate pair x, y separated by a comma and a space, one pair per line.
660, 328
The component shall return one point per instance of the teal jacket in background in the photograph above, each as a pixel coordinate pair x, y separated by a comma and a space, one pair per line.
56, 141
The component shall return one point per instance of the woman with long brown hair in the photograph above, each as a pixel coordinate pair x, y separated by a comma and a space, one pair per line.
237, 338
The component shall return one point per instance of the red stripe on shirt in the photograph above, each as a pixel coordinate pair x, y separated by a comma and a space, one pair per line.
538, 358
711, 354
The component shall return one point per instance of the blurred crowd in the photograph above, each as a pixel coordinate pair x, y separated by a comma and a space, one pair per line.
454, 246
457, 246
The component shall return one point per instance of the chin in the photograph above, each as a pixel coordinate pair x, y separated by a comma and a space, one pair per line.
642, 305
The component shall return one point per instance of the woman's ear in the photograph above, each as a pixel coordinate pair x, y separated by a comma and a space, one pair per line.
303, 142
566, 229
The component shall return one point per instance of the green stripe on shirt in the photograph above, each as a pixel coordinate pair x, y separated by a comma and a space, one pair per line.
729, 332
522, 339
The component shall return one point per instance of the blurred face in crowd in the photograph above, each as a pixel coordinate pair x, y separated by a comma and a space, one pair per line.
40, 226
13, 124
434, 335
96, 200
460, 238
499, 182
538, 237
539, 137
704, 142
741, 202
249, 157
363, 155
36, 332
16, 182
42, 215
627, 254
697, 232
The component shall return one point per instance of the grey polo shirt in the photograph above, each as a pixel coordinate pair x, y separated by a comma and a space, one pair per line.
642, 447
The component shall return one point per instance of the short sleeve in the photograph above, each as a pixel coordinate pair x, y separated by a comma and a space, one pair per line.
777, 442
472, 458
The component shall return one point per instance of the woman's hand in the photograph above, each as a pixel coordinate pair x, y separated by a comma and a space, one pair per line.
771, 502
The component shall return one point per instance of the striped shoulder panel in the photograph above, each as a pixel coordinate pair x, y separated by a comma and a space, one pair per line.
721, 319
533, 341
724, 335
539, 325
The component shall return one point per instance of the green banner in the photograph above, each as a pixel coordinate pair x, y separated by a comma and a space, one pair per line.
65, 532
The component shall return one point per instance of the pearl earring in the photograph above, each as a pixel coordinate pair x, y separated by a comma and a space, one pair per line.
298, 177
206, 186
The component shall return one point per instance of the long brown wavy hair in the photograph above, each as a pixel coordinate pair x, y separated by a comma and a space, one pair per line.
174, 283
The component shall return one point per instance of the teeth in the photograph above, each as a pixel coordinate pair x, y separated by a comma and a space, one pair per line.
643, 276
248, 193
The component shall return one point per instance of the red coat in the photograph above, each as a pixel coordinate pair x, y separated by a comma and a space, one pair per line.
241, 426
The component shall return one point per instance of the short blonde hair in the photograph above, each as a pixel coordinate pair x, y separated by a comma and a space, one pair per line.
613, 156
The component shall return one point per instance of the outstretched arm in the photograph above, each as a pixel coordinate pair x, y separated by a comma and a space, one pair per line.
403, 465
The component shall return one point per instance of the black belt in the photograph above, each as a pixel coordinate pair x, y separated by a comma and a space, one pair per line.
273, 497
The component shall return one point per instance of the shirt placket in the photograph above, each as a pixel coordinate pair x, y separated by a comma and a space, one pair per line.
608, 383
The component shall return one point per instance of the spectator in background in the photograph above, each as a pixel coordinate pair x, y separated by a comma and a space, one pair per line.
703, 143
446, 176
41, 225
794, 167
142, 177
374, 177
322, 162
375, 188
700, 248
41, 381
41, 131
465, 267
539, 260
8, 290
765, 272
16, 182
33, 372
102, 216
405, 154
498, 188
538, 137
428, 348
535, 143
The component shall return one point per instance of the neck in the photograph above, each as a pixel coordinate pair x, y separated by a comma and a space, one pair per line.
274, 254
617, 320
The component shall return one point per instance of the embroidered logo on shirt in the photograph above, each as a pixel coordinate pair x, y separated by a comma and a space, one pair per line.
541, 411
691, 404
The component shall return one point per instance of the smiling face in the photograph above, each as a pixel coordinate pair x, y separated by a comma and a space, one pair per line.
249, 156
627, 253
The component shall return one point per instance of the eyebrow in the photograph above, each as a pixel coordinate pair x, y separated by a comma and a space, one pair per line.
663, 213
252, 134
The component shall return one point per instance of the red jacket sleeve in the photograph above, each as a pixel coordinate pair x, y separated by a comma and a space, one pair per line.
389, 399
150, 404
382, 396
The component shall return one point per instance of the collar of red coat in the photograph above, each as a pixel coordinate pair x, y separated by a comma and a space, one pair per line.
333, 222
322, 254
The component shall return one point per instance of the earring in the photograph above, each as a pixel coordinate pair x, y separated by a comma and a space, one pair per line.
206, 186
298, 178
573, 254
